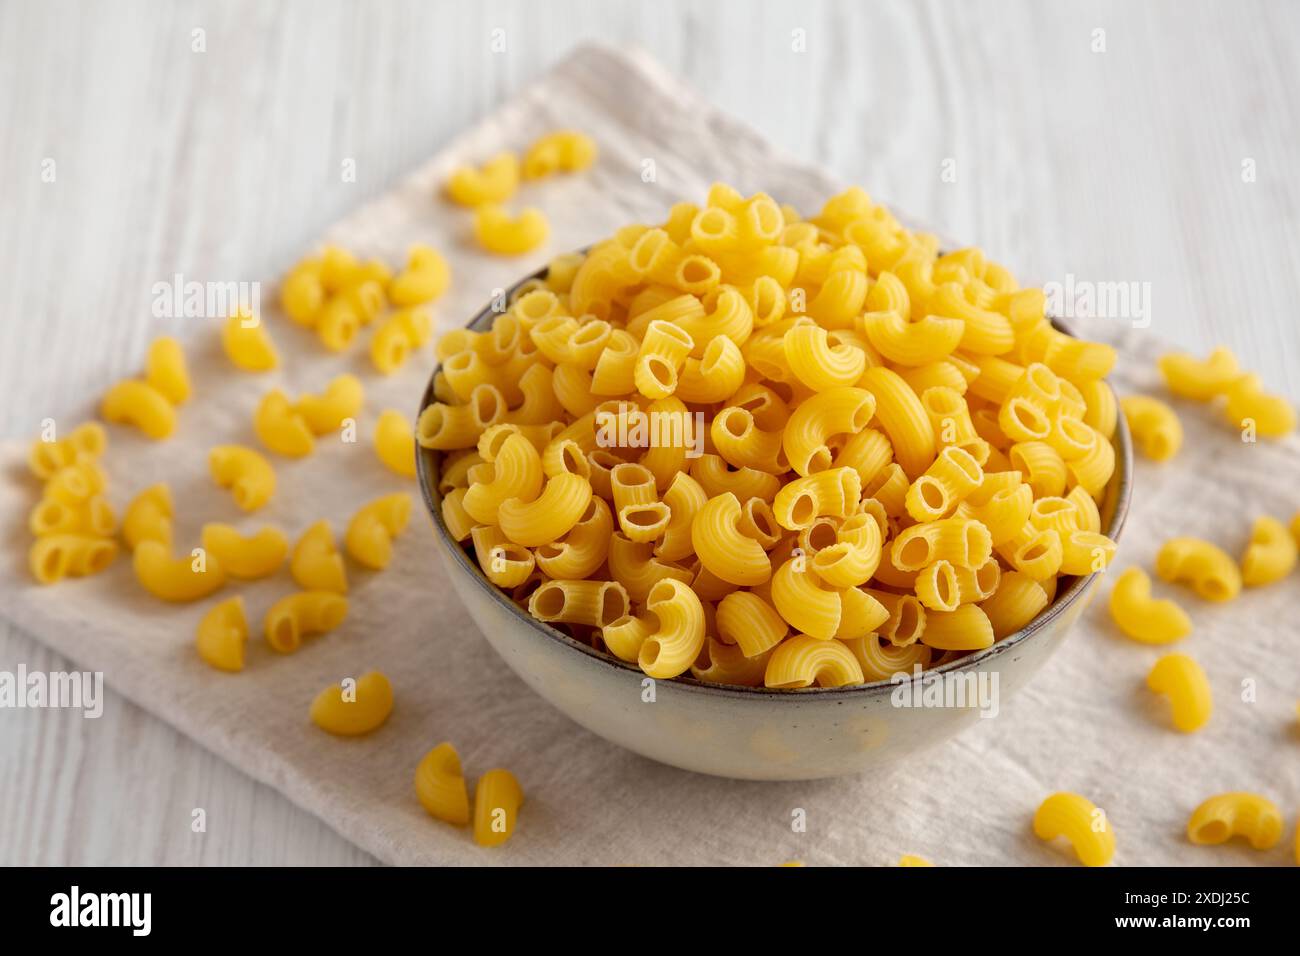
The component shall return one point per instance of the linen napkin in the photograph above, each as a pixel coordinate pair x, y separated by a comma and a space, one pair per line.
1085, 723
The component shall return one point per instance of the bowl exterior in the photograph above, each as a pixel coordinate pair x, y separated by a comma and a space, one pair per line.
746, 735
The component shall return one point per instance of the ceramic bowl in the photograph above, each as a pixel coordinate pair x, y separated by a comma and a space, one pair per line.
757, 733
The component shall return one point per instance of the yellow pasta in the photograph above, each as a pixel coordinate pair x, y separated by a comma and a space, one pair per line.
1181, 679
440, 785
1081, 822
247, 344
149, 517
1206, 567
370, 533
1142, 617
802, 661
395, 443
397, 337
281, 428
300, 615
142, 405
187, 578
1155, 427
254, 556
248, 475
495, 181
1249, 406
1227, 815
1189, 377
561, 151
1271, 554
875, 446
222, 634
355, 707
504, 235
166, 371
424, 279
316, 563
497, 799
341, 400
56, 556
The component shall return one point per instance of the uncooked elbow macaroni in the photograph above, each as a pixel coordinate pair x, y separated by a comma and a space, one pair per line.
341, 400
564, 150
253, 556
1206, 567
222, 634
137, 403
187, 578
370, 533
497, 231
149, 517
497, 799
303, 614
1155, 427
248, 345
1247, 405
1144, 618
247, 474
166, 371
1227, 815
440, 785
395, 443
1181, 679
280, 428
1081, 822
495, 181
354, 707
316, 563
1271, 554
900, 455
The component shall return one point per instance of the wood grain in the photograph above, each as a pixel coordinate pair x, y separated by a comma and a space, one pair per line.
1123, 165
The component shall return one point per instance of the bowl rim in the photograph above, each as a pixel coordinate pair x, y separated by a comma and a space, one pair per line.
1121, 482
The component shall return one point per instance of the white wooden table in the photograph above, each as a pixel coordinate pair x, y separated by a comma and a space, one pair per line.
208, 139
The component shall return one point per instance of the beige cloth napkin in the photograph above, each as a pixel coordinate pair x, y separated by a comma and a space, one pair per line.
1086, 723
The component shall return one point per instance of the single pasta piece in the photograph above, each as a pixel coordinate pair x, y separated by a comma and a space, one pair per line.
672, 647
909, 859
395, 443
1155, 427
222, 634
564, 150
300, 615
370, 534
281, 428
182, 579
425, 278
247, 474
495, 181
1181, 679
801, 661
1143, 618
497, 799
257, 556
342, 400
396, 338
440, 785
316, 563
149, 517
1206, 567
1249, 406
1189, 377
497, 232
354, 707
247, 343
165, 370
137, 403
1081, 822
1227, 815
1271, 554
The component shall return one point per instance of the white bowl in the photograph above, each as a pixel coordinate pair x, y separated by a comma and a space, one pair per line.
755, 733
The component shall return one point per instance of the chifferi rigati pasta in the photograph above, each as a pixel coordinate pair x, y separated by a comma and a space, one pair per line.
757, 448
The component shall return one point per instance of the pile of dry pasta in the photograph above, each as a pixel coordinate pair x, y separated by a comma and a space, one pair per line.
769, 450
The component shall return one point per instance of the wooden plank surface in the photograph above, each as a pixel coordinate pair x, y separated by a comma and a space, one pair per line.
210, 139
